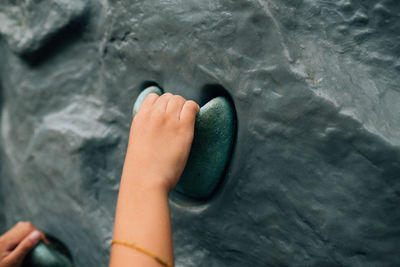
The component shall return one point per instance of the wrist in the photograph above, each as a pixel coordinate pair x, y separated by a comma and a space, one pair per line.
148, 183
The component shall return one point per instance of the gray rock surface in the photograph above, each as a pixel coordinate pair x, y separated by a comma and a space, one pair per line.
315, 176
30, 25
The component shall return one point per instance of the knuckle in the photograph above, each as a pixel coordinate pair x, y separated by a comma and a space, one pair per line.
29, 225
167, 95
179, 98
151, 96
24, 225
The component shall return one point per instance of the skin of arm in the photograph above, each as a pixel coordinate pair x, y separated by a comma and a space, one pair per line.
159, 144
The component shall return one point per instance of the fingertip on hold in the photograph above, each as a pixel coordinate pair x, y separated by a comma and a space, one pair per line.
35, 236
194, 104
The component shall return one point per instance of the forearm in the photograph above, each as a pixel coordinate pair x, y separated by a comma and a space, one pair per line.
159, 144
142, 218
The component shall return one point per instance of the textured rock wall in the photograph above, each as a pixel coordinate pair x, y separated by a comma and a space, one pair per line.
315, 176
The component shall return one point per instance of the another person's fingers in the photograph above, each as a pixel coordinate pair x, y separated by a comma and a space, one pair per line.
189, 111
16, 257
149, 101
175, 105
17, 233
161, 104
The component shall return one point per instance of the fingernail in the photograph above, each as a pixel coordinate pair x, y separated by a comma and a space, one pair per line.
34, 236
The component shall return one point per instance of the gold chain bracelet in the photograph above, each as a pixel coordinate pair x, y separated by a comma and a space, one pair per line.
140, 249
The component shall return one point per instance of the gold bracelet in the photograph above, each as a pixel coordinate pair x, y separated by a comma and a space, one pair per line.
148, 253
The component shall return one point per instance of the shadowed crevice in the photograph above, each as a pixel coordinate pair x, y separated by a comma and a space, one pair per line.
58, 41
147, 84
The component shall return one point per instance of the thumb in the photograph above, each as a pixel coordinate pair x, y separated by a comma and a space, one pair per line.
27, 244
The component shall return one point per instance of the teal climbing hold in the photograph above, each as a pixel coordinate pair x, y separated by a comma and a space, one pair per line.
211, 149
142, 96
53, 255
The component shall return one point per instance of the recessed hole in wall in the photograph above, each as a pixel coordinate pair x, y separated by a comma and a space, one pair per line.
147, 84
214, 140
55, 254
212, 149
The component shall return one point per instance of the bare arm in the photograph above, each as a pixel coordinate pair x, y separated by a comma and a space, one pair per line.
160, 139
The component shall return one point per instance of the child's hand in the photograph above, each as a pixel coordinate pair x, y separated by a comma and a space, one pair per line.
160, 139
17, 243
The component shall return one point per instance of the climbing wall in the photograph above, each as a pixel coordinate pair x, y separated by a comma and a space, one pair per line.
314, 177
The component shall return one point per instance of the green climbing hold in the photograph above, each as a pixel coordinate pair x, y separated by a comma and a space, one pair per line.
53, 255
211, 149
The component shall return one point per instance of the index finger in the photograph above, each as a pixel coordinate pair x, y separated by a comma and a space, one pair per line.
189, 111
